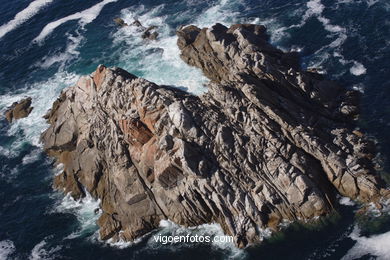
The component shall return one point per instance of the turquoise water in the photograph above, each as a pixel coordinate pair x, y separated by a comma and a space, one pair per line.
45, 45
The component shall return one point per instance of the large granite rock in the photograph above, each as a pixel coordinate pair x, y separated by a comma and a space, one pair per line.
19, 110
268, 142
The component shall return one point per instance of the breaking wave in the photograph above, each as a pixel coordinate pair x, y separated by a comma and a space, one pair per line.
376, 245
31, 10
157, 61
85, 17
70, 53
7, 248
43, 95
316, 8
42, 251
86, 210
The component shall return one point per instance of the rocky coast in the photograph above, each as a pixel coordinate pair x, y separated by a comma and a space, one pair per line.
268, 142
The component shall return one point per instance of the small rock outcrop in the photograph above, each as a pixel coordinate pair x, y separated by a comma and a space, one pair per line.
137, 23
149, 33
268, 142
19, 110
120, 22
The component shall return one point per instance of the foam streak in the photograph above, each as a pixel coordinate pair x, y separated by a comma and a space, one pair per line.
377, 245
85, 17
31, 10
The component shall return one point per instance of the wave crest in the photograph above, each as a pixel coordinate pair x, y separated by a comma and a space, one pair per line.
31, 10
85, 17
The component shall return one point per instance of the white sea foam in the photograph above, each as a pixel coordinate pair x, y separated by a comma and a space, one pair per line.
296, 49
346, 201
59, 169
9, 175
264, 233
168, 227
222, 12
359, 87
371, 2
33, 156
357, 69
368, 2
8, 151
71, 52
42, 252
7, 248
374, 211
229, 12
157, 61
31, 10
121, 244
315, 8
43, 95
285, 223
85, 17
84, 209
376, 245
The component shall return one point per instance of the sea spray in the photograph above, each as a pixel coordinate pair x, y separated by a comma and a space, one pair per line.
42, 251
376, 245
7, 248
86, 210
43, 94
158, 61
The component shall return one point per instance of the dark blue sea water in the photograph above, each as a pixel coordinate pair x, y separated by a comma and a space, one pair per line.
45, 45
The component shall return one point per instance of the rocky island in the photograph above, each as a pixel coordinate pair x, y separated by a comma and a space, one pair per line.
268, 142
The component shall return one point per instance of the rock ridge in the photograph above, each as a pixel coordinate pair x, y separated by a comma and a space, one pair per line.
268, 142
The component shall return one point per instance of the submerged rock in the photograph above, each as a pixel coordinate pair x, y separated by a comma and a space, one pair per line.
268, 142
19, 110
150, 33
120, 22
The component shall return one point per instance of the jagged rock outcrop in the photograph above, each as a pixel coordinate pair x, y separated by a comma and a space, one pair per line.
148, 33
267, 142
19, 110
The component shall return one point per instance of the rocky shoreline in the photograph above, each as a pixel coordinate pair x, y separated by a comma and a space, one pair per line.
268, 142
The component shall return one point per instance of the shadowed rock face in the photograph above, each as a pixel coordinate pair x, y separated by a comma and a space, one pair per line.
267, 142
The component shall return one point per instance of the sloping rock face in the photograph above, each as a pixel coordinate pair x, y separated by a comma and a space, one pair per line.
267, 142
19, 110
